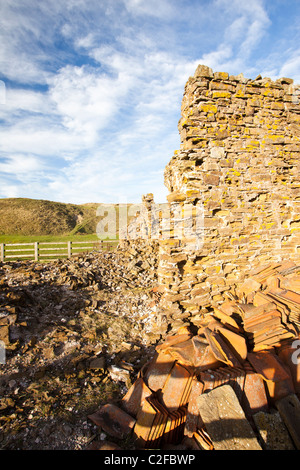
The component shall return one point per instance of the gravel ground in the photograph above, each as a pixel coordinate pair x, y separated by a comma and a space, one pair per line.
76, 332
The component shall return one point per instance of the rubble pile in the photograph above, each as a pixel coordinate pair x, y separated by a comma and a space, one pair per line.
35, 291
76, 332
232, 384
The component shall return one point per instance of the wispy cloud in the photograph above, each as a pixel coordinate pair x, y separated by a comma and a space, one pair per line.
246, 25
291, 66
93, 89
156, 8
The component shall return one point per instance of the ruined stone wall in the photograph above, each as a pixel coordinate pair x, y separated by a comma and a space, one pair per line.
239, 158
239, 162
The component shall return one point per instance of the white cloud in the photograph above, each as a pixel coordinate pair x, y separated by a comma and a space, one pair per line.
18, 101
29, 138
156, 8
9, 190
219, 59
19, 165
291, 67
104, 124
236, 29
21, 57
246, 25
254, 34
85, 99
85, 42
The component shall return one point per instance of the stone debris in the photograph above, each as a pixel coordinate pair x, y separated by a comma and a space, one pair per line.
209, 389
225, 421
115, 421
81, 282
272, 431
289, 409
76, 332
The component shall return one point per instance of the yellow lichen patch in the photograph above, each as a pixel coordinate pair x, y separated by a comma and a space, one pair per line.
267, 91
193, 193
268, 225
221, 94
294, 117
240, 94
221, 75
183, 122
295, 226
170, 241
252, 144
208, 108
222, 213
233, 172
278, 105
255, 102
213, 270
200, 142
193, 269
216, 143
275, 137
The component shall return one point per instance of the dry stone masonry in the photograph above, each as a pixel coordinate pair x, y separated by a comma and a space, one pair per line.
239, 161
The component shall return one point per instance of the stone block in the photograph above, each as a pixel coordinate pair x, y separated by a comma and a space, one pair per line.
289, 409
113, 420
225, 421
204, 71
273, 433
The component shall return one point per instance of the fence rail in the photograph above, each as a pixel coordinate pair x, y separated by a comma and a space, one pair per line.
50, 251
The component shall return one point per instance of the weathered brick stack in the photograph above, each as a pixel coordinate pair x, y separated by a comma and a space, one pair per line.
233, 383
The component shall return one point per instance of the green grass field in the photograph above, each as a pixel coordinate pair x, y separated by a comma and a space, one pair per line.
40, 218
51, 247
52, 225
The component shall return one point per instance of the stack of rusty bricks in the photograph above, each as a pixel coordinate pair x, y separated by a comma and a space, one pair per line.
246, 347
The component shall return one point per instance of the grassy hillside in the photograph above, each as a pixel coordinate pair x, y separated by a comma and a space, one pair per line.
21, 217
24, 216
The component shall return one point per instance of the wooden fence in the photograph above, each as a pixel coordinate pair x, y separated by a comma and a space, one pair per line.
50, 251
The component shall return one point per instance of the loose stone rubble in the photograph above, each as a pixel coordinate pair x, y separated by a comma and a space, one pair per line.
76, 332
230, 385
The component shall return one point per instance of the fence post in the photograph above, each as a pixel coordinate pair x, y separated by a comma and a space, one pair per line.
36, 251
69, 249
2, 252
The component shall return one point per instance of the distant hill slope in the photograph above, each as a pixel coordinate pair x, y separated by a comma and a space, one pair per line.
40, 217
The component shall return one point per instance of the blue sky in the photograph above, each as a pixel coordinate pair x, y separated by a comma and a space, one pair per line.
91, 91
